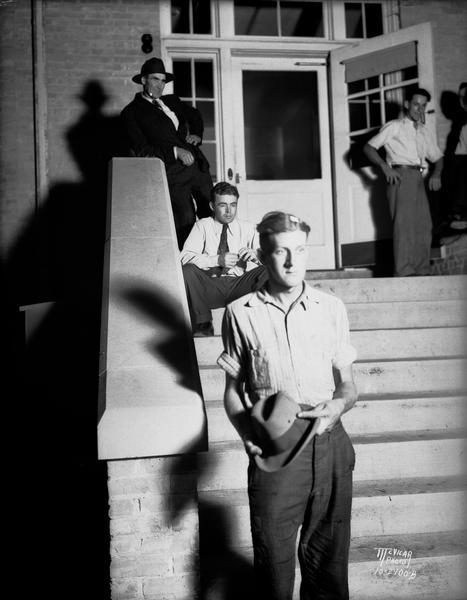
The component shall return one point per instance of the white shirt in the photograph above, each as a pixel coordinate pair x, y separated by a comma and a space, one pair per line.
461, 147
406, 144
294, 352
200, 247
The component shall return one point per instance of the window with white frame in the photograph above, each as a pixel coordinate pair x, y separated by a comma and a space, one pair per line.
363, 19
194, 84
377, 85
191, 16
279, 18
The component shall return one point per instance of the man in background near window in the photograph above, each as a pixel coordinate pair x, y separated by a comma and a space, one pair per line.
219, 259
457, 183
409, 143
169, 129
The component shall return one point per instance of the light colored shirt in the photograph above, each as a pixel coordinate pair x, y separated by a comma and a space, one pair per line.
461, 147
200, 247
295, 352
406, 144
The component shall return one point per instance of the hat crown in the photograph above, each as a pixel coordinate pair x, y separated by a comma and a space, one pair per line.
274, 416
153, 65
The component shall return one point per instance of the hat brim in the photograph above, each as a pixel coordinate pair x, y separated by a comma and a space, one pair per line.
137, 78
279, 461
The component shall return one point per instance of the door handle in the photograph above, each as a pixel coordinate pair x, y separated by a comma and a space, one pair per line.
237, 178
229, 173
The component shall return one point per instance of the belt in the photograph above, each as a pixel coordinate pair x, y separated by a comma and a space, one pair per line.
416, 167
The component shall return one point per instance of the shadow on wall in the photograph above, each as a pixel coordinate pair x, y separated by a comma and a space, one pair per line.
59, 486
225, 573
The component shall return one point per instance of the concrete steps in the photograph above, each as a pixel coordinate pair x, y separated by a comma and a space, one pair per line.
375, 344
408, 375
408, 430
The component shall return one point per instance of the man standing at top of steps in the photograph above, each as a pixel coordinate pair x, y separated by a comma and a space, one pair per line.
408, 143
282, 345
219, 258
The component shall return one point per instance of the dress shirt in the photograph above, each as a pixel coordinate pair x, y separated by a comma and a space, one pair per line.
294, 351
406, 144
461, 147
200, 247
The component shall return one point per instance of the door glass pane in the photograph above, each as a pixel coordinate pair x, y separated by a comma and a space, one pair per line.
301, 19
375, 110
252, 18
357, 114
281, 125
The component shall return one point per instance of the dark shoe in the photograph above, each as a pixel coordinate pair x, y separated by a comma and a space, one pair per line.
203, 329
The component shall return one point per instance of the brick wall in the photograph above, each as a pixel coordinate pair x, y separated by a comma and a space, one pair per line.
449, 26
17, 185
100, 42
154, 528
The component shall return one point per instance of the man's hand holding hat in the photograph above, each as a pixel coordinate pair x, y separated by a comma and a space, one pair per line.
328, 414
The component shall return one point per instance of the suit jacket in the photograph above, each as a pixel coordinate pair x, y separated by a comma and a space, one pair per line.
152, 132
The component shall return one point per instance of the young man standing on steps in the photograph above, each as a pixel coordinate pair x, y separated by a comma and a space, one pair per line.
219, 258
409, 143
288, 363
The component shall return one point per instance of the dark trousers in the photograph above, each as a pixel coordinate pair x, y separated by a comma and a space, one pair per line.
315, 492
205, 292
412, 225
186, 184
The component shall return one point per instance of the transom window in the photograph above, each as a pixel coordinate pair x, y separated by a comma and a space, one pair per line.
279, 18
351, 19
363, 19
191, 16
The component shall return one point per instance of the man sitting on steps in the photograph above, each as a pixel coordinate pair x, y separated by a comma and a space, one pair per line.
219, 259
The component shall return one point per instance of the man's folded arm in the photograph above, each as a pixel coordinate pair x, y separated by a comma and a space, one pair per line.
193, 250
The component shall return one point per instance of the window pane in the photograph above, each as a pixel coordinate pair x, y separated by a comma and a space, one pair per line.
402, 75
201, 16
356, 86
373, 20
372, 83
356, 158
209, 151
301, 19
182, 78
357, 114
180, 16
252, 18
203, 79
281, 125
206, 109
353, 20
375, 110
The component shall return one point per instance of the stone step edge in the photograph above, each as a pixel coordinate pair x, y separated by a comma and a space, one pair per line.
422, 545
453, 395
425, 359
372, 438
361, 489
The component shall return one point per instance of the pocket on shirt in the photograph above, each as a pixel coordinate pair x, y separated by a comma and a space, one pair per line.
259, 369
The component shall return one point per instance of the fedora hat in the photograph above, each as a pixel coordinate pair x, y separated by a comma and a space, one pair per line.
278, 432
153, 65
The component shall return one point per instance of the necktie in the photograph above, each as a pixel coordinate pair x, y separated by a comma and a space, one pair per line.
223, 244
222, 249
166, 110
